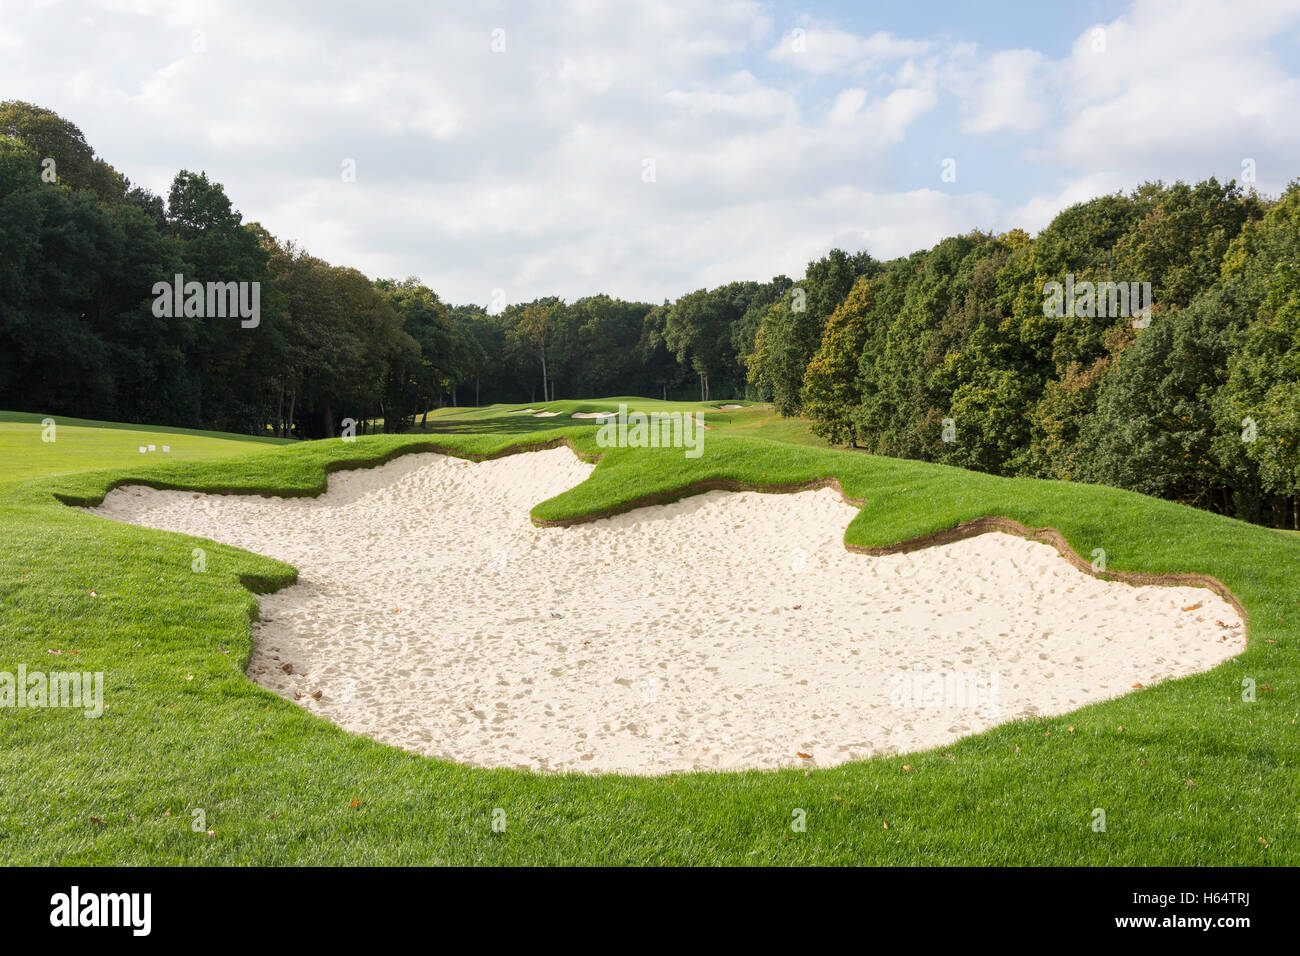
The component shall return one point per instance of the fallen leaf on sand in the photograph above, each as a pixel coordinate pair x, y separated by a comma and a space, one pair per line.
287, 667
315, 695
1193, 607
1137, 683
1229, 626
805, 756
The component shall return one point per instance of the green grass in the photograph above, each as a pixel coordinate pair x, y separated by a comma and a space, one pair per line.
80, 444
1195, 775
752, 419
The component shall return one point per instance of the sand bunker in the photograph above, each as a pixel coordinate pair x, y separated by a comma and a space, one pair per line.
595, 415
728, 408
545, 414
725, 631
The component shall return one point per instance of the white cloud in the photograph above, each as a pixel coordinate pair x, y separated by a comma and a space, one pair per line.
1006, 93
826, 49
523, 169
1183, 90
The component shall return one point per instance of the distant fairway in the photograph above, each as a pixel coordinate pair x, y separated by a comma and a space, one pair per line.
753, 419
83, 445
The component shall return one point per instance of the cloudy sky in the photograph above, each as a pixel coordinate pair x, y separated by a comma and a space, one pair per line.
647, 149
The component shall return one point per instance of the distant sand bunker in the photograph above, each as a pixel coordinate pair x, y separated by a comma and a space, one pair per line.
725, 631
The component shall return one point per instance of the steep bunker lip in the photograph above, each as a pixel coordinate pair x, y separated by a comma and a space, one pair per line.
431, 613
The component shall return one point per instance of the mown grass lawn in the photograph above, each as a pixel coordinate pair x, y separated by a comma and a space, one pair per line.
1187, 772
79, 445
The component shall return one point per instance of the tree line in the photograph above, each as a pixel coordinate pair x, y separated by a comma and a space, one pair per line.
958, 354
82, 248
950, 354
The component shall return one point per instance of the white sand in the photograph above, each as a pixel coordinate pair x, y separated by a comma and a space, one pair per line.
724, 631
595, 415
727, 408
545, 414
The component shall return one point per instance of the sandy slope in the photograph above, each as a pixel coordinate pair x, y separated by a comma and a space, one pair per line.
725, 631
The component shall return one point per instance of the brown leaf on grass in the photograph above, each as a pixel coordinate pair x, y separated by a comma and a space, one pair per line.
98, 821
907, 768
1193, 607
1263, 842
354, 804
167, 812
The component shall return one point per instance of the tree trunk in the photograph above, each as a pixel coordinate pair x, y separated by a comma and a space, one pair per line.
293, 400
476, 401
